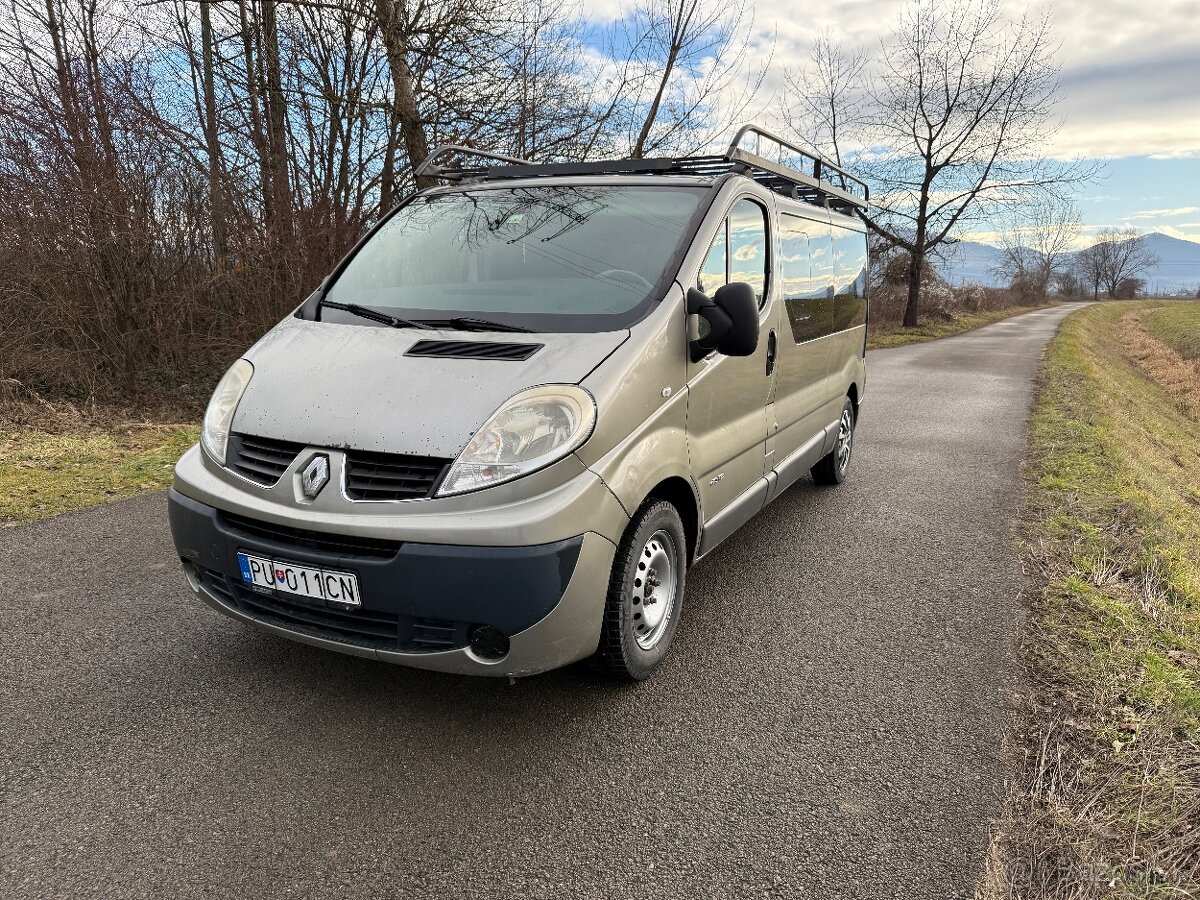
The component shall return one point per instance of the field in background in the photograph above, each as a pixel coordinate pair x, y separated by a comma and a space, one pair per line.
880, 338
1109, 804
945, 310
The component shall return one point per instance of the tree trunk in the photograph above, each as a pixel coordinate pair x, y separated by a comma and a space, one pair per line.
280, 217
212, 141
912, 309
387, 177
639, 148
258, 138
411, 127
406, 114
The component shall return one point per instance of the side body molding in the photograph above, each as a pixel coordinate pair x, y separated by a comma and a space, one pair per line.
764, 490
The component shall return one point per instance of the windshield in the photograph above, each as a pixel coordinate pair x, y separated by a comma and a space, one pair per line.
553, 258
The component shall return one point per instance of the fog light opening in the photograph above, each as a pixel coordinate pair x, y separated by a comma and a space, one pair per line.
489, 643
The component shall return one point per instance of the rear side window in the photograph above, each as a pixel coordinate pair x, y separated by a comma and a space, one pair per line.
738, 252
850, 279
806, 272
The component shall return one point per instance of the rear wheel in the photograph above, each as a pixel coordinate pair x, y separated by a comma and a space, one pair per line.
645, 593
832, 467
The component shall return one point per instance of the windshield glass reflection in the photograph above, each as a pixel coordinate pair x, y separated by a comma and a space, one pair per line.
520, 254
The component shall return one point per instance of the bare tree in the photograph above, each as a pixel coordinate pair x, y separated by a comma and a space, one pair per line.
1037, 243
176, 174
954, 114
1129, 288
682, 68
1088, 267
1118, 256
1124, 255
826, 100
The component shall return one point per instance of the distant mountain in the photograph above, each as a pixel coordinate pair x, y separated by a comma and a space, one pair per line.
969, 262
1178, 269
1178, 266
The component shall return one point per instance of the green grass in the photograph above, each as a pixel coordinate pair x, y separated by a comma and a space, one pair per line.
1117, 465
1178, 326
1114, 636
43, 473
929, 331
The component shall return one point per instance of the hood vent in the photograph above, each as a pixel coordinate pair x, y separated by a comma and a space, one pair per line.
473, 350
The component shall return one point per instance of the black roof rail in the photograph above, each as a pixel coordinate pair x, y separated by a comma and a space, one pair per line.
431, 168
814, 186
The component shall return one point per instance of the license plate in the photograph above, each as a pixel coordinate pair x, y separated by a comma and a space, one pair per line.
302, 581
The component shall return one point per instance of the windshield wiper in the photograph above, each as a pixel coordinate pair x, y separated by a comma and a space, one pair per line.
374, 315
465, 323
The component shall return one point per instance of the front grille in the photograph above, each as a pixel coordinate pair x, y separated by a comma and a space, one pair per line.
366, 629
262, 460
436, 634
371, 628
386, 476
473, 350
342, 544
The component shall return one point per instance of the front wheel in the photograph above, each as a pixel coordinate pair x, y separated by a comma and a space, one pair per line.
832, 467
645, 593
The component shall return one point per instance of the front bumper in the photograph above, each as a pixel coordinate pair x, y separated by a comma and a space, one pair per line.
420, 601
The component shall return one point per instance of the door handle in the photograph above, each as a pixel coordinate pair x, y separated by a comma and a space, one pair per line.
772, 350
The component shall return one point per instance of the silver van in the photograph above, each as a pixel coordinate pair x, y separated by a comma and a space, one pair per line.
501, 431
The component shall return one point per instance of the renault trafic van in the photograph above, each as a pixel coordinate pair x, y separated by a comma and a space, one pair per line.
499, 434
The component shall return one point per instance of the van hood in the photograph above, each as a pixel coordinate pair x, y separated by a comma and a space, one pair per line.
352, 386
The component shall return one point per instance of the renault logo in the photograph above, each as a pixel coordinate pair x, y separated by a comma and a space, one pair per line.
315, 475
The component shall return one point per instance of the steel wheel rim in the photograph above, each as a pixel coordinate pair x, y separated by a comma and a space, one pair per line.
652, 594
845, 441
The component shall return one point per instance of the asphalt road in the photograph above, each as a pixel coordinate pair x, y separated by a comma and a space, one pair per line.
829, 723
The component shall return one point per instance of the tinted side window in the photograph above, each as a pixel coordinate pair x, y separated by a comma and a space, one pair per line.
850, 278
715, 271
748, 246
806, 270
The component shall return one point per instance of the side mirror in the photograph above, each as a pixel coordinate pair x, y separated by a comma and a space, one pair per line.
732, 316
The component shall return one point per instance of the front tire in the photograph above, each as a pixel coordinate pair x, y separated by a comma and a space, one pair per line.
645, 594
833, 466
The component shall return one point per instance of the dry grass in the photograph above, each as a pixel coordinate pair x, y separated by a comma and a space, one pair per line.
21, 407
57, 456
1178, 326
1179, 376
1108, 799
43, 473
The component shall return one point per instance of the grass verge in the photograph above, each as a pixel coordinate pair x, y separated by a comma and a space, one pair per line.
1178, 326
1108, 803
47, 472
929, 331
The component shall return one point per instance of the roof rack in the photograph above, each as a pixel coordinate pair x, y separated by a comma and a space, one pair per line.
815, 186
432, 169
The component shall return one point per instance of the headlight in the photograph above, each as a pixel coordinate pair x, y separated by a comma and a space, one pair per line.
218, 418
532, 430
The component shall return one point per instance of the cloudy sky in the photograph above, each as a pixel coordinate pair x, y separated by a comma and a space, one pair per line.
1131, 92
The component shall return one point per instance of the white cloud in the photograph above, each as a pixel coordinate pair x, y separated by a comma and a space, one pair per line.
1129, 72
1192, 235
1164, 213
